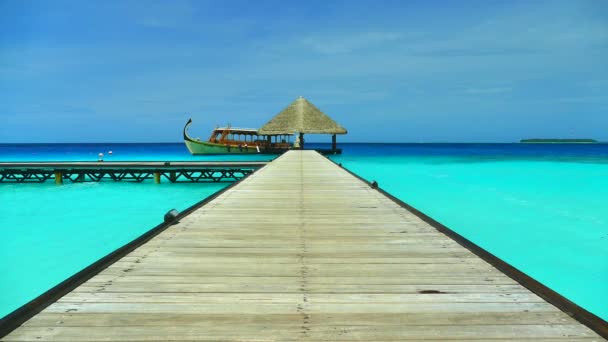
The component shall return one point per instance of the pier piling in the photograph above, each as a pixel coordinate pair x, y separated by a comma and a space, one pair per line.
58, 178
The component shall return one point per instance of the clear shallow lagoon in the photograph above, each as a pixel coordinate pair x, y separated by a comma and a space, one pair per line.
539, 207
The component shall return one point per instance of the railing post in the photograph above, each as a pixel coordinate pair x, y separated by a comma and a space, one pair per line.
157, 177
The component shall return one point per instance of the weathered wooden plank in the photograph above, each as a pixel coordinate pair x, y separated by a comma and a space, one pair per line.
220, 332
294, 286
257, 308
48, 319
158, 258
280, 297
348, 283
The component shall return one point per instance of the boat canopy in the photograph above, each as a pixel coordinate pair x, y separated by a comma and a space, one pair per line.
238, 130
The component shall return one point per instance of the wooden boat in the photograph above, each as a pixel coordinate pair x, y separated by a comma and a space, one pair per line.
234, 140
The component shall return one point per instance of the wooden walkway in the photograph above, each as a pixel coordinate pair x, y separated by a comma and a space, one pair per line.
301, 250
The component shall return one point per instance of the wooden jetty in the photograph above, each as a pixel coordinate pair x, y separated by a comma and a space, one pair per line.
39, 172
301, 250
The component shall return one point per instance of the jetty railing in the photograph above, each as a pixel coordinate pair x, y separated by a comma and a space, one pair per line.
174, 172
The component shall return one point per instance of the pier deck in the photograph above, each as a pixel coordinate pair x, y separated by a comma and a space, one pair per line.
301, 250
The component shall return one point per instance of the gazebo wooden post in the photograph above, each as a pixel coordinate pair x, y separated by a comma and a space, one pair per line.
333, 142
301, 141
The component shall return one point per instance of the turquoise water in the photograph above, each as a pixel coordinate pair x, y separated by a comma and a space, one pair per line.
51, 232
549, 218
541, 208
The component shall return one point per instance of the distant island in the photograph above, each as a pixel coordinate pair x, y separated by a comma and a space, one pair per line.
560, 141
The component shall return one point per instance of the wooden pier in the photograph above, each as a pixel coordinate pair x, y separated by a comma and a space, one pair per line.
75, 172
301, 250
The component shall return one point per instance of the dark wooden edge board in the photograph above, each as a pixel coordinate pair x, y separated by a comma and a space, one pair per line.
572, 309
14, 319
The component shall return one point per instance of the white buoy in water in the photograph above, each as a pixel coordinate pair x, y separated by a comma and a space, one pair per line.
109, 152
100, 157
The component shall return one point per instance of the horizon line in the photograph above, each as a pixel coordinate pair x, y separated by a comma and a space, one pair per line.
312, 142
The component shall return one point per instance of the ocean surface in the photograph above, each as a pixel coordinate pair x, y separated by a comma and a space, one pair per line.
540, 207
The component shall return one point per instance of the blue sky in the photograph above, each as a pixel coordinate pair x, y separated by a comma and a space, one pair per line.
393, 71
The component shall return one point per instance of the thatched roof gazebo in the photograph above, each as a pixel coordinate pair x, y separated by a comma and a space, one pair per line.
302, 117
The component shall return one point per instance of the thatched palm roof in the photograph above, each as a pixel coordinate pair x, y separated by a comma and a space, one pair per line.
303, 117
